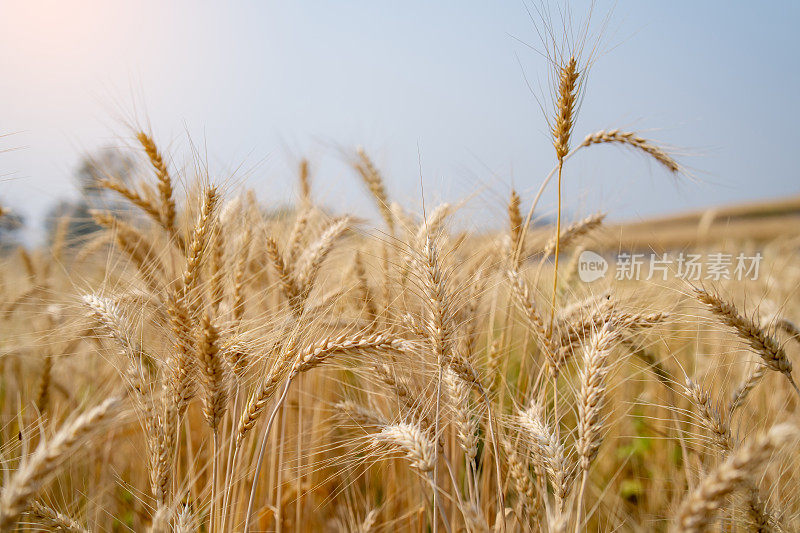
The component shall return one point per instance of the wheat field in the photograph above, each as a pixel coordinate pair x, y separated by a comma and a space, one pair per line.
204, 363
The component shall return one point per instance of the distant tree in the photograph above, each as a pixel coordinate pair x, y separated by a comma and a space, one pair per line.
106, 163
79, 220
10, 226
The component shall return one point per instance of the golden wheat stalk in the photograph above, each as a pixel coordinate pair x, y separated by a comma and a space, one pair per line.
548, 342
165, 188
631, 139
213, 372
548, 451
363, 416
374, 181
573, 232
197, 248
290, 290
521, 477
458, 392
417, 447
515, 232
137, 247
592, 393
310, 262
294, 363
57, 520
764, 345
561, 130
711, 416
753, 378
181, 367
43, 396
145, 204
35, 471
701, 505
566, 104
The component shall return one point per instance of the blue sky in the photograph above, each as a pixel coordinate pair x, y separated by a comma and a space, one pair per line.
441, 85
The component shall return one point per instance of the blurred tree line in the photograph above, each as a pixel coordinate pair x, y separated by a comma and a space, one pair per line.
74, 214
11, 224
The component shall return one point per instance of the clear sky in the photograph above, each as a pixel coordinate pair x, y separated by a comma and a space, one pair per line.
255, 85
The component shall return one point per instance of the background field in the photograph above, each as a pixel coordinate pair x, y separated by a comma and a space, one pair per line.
179, 352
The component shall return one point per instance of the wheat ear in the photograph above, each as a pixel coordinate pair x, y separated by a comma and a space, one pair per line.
294, 363
165, 189
43, 396
521, 477
364, 291
418, 448
358, 413
213, 373
753, 378
711, 416
60, 238
309, 263
27, 263
197, 248
548, 452
701, 505
762, 344
458, 392
593, 392
374, 181
573, 232
634, 141
239, 281
217, 281
515, 229
304, 177
548, 342
432, 226
288, 286
136, 246
718, 424
145, 204
108, 315
370, 522
185, 521
41, 465
566, 103
182, 361
161, 440
303, 362
55, 519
